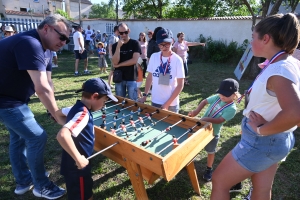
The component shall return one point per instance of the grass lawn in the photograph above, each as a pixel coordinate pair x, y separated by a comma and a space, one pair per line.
110, 179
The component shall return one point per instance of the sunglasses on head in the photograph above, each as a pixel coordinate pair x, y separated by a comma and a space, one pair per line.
62, 36
125, 32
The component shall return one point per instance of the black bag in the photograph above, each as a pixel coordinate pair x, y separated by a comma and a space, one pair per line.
117, 77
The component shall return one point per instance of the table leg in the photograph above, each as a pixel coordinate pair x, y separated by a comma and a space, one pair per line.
136, 178
193, 177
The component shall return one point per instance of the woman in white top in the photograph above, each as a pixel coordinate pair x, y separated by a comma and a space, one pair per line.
144, 44
271, 115
180, 48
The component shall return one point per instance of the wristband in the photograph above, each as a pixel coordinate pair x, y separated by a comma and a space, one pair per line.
145, 95
258, 130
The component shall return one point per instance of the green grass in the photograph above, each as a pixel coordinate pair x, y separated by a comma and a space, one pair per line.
110, 179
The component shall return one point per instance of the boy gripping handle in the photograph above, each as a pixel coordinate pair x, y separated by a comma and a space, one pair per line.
221, 109
77, 138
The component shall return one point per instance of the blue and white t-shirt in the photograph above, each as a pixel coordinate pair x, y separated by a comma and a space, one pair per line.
161, 93
80, 123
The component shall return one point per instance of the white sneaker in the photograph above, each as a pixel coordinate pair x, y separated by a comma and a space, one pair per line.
54, 65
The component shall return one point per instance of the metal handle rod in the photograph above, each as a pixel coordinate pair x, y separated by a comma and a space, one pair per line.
103, 150
190, 130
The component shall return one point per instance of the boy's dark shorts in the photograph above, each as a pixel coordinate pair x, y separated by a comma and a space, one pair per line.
73, 184
80, 56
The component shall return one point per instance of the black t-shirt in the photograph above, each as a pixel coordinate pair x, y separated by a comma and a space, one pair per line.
126, 53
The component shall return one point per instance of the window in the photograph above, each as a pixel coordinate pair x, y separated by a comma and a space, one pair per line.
109, 29
23, 9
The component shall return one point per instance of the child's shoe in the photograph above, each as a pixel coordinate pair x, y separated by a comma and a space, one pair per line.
208, 174
236, 188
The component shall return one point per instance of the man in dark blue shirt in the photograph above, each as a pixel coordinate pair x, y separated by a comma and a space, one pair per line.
25, 68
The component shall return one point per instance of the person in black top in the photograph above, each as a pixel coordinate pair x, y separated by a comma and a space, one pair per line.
152, 45
125, 55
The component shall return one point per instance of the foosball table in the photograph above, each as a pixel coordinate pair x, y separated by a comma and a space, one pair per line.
149, 142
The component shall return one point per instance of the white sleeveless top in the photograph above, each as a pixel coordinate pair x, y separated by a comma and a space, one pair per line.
265, 102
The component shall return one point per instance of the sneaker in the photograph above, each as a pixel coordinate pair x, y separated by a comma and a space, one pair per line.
248, 197
21, 189
87, 72
50, 192
54, 65
207, 175
236, 188
76, 74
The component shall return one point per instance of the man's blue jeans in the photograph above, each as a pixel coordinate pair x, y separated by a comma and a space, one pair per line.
27, 143
129, 87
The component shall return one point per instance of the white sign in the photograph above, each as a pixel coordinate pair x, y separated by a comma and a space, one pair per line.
244, 62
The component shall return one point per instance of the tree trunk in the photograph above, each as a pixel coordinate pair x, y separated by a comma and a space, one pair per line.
275, 8
253, 69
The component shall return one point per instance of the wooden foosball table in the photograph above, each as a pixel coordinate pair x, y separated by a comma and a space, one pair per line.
149, 142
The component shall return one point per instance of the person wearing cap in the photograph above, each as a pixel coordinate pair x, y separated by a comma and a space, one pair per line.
221, 108
80, 51
165, 74
77, 137
125, 56
102, 64
25, 68
9, 31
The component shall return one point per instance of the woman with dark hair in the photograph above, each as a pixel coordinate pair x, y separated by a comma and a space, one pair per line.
152, 46
271, 114
143, 43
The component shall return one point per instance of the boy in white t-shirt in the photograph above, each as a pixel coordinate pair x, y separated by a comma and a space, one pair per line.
166, 74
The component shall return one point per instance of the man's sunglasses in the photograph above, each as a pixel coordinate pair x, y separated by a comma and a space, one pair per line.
62, 36
125, 32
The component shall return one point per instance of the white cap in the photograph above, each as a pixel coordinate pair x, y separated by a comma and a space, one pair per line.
9, 29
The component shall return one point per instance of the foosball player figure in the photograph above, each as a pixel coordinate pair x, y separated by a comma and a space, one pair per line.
149, 117
115, 122
123, 118
221, 108
131, 115
123, 127
112, 131
133, 124
78, 132
123, 103
175, 141
103, 117
139, 111
103, 125
138, 131
142, 122
116, 112
103, 110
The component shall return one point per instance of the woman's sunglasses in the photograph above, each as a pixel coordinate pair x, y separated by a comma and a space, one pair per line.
62, 36
125, 32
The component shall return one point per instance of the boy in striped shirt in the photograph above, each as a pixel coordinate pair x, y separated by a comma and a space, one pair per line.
77, 138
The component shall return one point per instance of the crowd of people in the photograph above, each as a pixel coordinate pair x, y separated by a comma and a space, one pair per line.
266, 137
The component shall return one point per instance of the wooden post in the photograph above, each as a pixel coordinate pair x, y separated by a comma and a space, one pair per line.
136, 178
193, 177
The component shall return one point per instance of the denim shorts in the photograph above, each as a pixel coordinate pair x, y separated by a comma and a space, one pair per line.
174, 109
210, 148
257, 153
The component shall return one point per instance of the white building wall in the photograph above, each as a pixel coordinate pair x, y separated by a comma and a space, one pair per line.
229, 30
74, 10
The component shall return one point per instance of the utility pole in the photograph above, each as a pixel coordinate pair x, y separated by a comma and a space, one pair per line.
117, 12
79, 17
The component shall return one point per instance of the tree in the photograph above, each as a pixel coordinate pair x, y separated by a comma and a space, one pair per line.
102, 10
63, 13
143, 9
